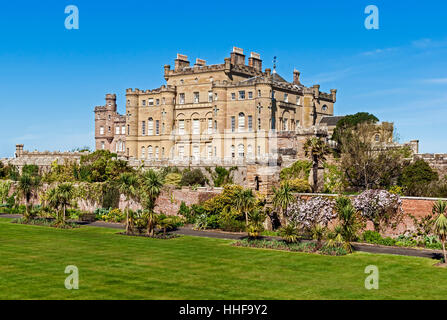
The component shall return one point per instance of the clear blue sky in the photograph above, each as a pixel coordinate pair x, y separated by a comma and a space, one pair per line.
51, 78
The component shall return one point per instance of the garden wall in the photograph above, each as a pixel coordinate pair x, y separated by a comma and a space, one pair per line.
411, 206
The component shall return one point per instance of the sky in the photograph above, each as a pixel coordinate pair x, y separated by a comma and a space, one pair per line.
51, 78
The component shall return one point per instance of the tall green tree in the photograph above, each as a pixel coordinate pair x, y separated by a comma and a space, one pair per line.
245, 201
440, 225
151, 186
282, 197
66, 193
27, 187
128, 185
317, 150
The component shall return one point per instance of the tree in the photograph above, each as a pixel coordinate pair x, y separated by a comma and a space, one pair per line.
440, 226
128, 185
283, 197
345, 126
66, 193
151, 184
316, 149
415, 176
53, 201
5, 187
245, 201
28, 185
193, 177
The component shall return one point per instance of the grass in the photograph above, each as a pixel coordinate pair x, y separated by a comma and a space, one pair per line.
113, 266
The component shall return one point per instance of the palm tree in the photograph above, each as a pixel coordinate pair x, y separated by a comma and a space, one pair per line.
316, 149
66, 193
440, 226
28, 185
245, 200
283, 196
53, 200
128, 185
151, 185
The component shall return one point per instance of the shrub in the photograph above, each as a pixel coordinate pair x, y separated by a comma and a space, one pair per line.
298, 185
193, 177
212, 222
379, 206
289, 233
299, 169
307, 214
201, 222
173, 179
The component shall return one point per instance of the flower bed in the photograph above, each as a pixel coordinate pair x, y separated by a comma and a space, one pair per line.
309, 247
155, 236
46, 222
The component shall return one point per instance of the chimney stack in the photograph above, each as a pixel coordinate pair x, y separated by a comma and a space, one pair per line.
200, 62
19, 150
237, 56
181, 61
255, 61
334, 94
296, 77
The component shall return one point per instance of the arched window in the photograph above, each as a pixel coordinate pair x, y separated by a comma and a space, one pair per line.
142, 152
162, 152
150, 127
149, 152
324, 108
377, 137
232, 152
241, 121
240, 150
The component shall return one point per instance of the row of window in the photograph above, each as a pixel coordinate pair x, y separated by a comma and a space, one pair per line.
117, 130
240, 151
150, 127
150, 152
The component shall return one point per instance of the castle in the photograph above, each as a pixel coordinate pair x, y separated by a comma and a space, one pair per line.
229, 112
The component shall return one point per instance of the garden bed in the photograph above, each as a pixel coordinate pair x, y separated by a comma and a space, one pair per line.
46, 222
307, 247
155, 236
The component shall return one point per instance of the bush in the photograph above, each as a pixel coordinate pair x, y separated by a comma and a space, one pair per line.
298, 185
212, 222
193, 177
173, 179
415, 175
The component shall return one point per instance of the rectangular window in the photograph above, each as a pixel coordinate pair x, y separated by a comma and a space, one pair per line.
298, 100
233, 124
102, 145
210, 96
196, 126
163, 100
143, 128
181, 98
196, 152
157, 127
259, 150
128, 129
285, 124
241, 95
259, 123
286, 97
163, 128
196, 97
157, 102
250, 123
250, 95
117, 130
259, 93
210, 151
233, 96
150, 127
151, 101
101, 130
143, 102
215, 97
181, 126
210, 126
181, 152
156, 152
123, 130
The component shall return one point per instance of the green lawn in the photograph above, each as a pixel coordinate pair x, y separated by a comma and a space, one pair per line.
112, 266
